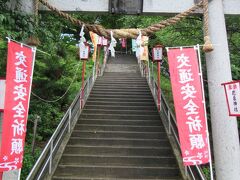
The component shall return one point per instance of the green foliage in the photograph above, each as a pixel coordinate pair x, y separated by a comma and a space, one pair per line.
28, 160
206, 171
233, 29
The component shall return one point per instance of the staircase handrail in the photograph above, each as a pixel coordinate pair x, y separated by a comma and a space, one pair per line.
45, 160
168, 117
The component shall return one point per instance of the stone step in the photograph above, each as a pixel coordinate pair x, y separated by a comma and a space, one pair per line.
118, 107
121, 122
120, 111
130, 85
129, 68
118, 99
121, 103
116, 128
123, 134
105, 172
122, 96
118, 150
123, 74
119, 116
118, 90
118, 142
141, 86
121, 80
121, 89
122, 93
120, 83
121, 77
108, 160
109, 77
91, 178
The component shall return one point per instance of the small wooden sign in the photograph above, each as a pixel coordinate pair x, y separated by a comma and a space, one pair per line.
84, 52
157, 53
232, 92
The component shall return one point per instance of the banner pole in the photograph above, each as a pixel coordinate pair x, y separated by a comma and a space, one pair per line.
159, 89
152, 71
9, 39
83, 78
205, 112
19, 174
98, 58
34, 50
149, 72
93, 73
126, 47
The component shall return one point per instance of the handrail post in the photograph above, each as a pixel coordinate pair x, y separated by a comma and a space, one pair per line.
154, 89
80, 103
88, 87
50, 160
142, 69
159, 90
149, 72
169, 122
186, 171
69, 119
83, 78
98, 59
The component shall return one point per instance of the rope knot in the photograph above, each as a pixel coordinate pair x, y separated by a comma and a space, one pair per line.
208, 46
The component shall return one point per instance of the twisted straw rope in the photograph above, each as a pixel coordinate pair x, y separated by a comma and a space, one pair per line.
207, 47
36, 5
133, 33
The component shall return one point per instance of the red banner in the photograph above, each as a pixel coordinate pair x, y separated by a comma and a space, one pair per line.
189, 107
18, 88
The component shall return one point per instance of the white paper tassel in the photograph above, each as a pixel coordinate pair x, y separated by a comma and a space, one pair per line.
112, 45
82, 38
140, 49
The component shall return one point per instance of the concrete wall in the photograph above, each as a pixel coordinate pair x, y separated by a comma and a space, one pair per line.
162, 7
80, 5
149, 6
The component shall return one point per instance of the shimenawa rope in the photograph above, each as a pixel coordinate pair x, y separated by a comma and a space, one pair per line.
133, 33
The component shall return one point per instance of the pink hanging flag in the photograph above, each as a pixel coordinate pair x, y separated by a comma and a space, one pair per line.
189, 107
18, 87
124, 42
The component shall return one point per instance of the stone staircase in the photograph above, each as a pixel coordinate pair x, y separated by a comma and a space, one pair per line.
119, 134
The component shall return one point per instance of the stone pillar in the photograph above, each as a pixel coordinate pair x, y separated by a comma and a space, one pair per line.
26, 6
224, 128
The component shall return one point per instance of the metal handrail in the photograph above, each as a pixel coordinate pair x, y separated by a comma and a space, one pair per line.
44, 162
169, 122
